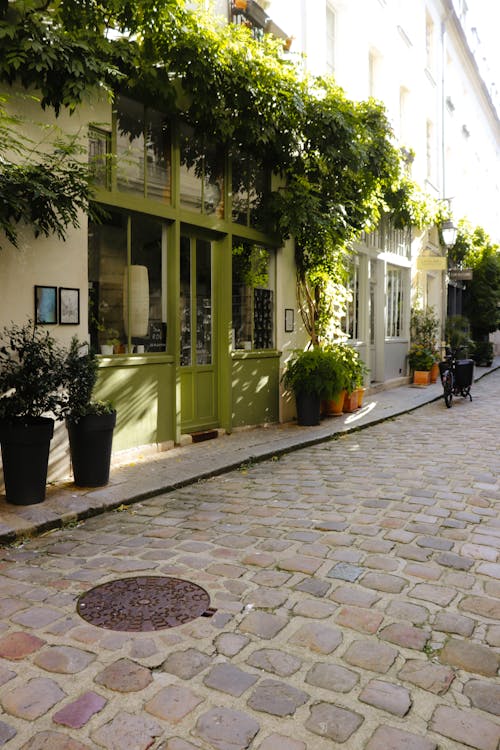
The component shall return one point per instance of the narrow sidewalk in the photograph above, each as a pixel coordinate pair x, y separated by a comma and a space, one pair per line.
163, 472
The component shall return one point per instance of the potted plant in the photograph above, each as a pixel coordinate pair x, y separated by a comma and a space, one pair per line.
421, 359
311, 375
334, 403
90, 423
31, 379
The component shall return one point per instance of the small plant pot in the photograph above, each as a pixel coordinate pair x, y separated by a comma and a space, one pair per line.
361, 394
350, 402
25, 459
421, 377
90, 443
107, 349
434, 372
308, 409
334, 407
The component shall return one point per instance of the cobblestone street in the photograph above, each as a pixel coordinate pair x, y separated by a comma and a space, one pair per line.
357, 593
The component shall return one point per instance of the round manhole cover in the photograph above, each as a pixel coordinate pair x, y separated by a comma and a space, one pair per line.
144, 603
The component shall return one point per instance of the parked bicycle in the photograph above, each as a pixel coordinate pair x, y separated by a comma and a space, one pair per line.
456, 377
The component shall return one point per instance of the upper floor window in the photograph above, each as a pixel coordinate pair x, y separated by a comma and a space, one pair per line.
142, 150
201, 175
249, 187
350, 321
429, 43
330, 39
99, 157
395, 303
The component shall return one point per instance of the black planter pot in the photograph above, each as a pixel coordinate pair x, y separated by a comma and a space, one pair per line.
25, 458
90, 442
308, 408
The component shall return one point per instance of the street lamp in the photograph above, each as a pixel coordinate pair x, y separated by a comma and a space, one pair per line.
448, 233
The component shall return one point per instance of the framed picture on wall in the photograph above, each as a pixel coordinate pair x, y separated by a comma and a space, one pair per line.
45, 305
69, 306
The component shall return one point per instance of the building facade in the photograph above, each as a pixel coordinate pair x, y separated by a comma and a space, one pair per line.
191, 305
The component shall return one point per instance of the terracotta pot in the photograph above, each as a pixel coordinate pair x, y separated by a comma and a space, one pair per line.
334, 407
361, 394
434, 372
421, 377
350, 402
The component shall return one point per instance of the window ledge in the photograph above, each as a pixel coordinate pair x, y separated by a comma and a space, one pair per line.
134, 360
255, 354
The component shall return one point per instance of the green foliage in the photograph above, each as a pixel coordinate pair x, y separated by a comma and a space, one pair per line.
251, 264
46, 189
482, 353
314, 371
457, 332
80, 371
31, 373
421, 357
424, 330
473, 249
351, 365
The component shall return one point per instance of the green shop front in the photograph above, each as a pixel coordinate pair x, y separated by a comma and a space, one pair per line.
181, 280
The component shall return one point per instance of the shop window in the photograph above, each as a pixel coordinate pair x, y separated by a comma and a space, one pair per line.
253, 297
196, 301
99, 157
201, 176
142, 151
250, 184
127, 295
395, 303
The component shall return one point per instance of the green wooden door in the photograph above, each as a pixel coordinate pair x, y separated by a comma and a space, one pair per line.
197, 345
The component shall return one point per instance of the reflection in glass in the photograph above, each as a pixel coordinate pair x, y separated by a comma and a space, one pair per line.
157, 156
130, 146
249, 187
146, 253
201, 176
203, 303
185, 301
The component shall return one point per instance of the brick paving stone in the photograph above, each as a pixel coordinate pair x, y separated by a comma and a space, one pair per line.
226, 570
466, 726
275, 661
9, 606
6, 675
317, 637
261, 559
280, 742
473, 657
403, 610
384, 582
376, 545
32, 700
230, 644
334, 722
432, 593
225, 729
229, 679
451, 560
271, 578
142, 648
266, 598
386, 696
484, 695
451, 622
479, 552
36, 617
427, 571
124, 676
399, 535
64, 659
380, 562
173, 703
345, 555
355, 596
314, 608
263, 624
127, 731
313, 586
6, 733
391, 738
493, 635
360, 619
15, 646
426, 675
370, 655
76, 714
405, 635
53, 741
277, 698
186, 664
345, 572
331, 525
176, 743
409, 552
489, 569
332, 677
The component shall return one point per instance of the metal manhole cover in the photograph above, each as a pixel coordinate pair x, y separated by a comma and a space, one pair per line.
144, 603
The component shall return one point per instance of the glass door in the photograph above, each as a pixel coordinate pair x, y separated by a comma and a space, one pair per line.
198, 373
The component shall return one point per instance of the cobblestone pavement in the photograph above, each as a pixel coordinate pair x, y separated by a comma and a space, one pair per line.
357, 592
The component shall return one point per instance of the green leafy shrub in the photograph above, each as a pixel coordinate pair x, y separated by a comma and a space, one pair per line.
80, 372
421, 358
353, 368
315, 371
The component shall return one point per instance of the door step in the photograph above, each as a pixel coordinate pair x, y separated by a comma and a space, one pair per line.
199, 437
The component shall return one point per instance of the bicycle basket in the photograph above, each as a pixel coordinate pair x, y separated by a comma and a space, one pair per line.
464, 371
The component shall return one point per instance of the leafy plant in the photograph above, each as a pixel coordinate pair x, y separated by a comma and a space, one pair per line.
421, 358
424, 329
353, 368
457, 331
80, 371
31, 373
314, 371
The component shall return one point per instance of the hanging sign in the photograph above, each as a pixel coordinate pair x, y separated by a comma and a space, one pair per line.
432, 263
464, 274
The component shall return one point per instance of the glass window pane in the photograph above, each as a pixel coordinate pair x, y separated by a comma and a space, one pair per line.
203, 303
99, 152
249, 187
191, 171
213, 182
158, 173
147, 290
107, 262
253, 297
130, 146
185, 301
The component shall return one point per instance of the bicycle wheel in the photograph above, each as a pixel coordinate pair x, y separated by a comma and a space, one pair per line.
448, 388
